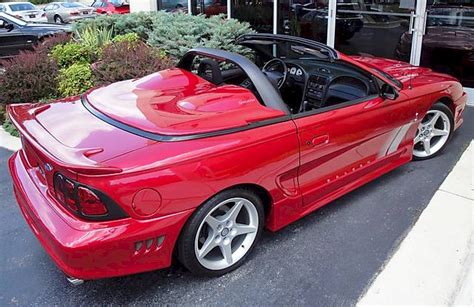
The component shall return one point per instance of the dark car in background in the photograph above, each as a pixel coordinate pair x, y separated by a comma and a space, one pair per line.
448, 44
17, 35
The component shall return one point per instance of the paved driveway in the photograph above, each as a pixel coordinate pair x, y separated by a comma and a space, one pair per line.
327, 258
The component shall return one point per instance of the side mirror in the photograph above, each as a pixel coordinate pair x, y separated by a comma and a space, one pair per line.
388, 92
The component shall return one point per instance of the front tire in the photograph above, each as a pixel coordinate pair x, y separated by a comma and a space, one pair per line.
221, 233
434, 132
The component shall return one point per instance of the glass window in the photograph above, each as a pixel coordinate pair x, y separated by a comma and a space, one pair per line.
72, 4
99, 4
259, 13
174, 5
2, 8
304, 18
209, 7
374, 27
447, 44
17, 7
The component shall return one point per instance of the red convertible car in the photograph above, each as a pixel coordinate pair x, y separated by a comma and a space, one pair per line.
193, 162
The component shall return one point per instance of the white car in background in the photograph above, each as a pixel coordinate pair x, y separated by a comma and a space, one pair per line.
23, 10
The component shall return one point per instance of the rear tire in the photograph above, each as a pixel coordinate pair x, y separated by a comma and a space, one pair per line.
221, 233
58, 19
434, 132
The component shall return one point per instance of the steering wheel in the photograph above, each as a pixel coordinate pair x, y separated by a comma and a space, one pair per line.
276, 71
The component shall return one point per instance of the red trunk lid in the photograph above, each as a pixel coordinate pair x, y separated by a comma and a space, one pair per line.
177, 102
69, 138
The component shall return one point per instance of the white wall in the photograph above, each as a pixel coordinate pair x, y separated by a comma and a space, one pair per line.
143, 5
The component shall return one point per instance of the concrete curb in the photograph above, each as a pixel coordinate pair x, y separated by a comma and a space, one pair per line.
434, 263
9, 142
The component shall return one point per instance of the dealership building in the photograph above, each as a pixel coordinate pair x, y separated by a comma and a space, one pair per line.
434, 33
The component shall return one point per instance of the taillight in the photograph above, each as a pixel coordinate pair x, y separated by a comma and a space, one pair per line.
90, 203
70, 195
19, 16
43, 15
74, 13
85, 202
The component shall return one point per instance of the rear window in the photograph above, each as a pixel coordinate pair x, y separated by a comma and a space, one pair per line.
17, 7
72, 5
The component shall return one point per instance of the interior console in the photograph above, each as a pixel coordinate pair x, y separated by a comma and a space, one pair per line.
315, 91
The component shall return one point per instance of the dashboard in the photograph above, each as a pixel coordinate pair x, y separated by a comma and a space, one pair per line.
322, 84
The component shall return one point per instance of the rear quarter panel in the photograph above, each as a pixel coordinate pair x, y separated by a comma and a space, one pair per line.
187, 173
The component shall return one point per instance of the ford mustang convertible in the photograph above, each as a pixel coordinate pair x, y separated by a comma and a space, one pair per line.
193, 162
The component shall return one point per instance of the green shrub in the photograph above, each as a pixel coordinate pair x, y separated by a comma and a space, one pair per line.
129, 37
140, 23
128, 60
10, 128
71, 53
93, 38
28, 77
75, 79
175, 33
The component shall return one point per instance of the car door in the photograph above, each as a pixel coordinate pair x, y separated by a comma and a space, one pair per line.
343, 144
11, 40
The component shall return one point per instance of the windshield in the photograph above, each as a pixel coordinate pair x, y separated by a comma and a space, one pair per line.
72, 5
17, 7
12, 19
117, 3
285, 49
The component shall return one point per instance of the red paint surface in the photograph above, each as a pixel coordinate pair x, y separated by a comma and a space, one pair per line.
303, 163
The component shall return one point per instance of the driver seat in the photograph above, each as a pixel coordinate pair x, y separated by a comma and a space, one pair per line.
210, 70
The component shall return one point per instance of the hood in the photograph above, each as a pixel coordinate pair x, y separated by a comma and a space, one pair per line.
399, 70
404, 72
38, 26
176, 102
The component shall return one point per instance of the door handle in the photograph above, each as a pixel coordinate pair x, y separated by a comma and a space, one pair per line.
318, 140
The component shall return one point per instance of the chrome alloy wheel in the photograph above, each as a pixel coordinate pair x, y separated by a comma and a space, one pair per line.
433, 132
226, 234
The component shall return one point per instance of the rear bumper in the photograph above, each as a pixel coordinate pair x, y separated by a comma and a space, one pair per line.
74, 18
95, 249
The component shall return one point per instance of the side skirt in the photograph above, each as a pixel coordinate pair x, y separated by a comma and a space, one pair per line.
401, 157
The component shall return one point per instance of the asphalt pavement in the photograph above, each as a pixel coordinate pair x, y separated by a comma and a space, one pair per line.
328, 258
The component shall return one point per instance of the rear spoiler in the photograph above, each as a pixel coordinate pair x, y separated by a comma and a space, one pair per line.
23, 116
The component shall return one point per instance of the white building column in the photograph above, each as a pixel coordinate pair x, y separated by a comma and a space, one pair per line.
143, 6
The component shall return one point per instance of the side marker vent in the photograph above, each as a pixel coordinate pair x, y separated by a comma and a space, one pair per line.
148, 245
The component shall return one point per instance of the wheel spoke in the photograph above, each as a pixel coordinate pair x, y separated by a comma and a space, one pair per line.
212, 222
207, 247
234, 211
244, 229
226, 250
434, 119
427, 146
417, 138
439, 132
